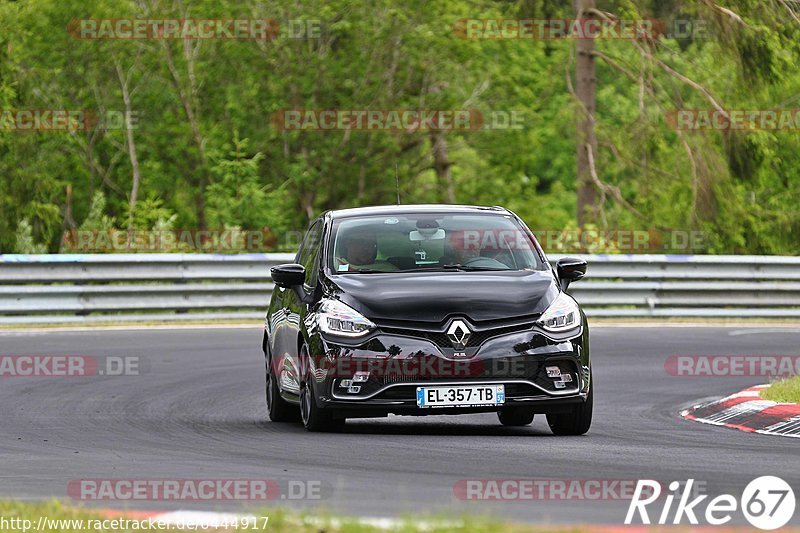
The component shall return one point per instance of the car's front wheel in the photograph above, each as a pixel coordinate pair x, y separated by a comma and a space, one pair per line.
515, 416
278, 409
314, 418
575, 422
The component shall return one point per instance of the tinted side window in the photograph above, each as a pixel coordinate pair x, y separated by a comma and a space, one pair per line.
309, 252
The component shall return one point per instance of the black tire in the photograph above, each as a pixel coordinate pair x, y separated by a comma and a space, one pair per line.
314, 418
515, 416
278, 409
577, 421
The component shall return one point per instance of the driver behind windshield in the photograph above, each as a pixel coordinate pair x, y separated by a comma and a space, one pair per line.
359, 251
460, 250
463, 249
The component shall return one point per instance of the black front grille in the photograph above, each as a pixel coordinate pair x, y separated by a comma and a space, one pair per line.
399, 393
432, 369
400, 377
515, 390
440, 339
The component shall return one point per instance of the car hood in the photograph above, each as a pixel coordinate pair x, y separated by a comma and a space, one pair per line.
432, 297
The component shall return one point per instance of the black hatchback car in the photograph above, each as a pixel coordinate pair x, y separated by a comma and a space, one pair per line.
426, 310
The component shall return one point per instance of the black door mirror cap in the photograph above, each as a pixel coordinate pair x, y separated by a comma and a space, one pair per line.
570, 269
288, 275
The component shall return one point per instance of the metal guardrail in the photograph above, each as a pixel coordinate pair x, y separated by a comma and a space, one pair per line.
48, 289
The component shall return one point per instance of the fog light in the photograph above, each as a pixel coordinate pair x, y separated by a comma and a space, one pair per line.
553, 372
559, 384
354, 389
360, 377
566, 378
345, 383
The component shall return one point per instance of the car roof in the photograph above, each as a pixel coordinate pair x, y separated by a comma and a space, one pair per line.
414, 208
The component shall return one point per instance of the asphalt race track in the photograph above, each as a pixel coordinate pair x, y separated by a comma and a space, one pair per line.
198, 412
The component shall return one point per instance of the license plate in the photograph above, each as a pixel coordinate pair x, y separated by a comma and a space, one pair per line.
461, 396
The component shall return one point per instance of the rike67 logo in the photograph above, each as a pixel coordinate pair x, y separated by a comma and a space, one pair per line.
767, 502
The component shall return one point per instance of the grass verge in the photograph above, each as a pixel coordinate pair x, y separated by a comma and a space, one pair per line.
783, 391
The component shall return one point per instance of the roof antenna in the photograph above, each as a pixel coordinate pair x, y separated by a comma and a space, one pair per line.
397, 182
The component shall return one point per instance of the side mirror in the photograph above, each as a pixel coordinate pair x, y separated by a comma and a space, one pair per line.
570, 269
288, 275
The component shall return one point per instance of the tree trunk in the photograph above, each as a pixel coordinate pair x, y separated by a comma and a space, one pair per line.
136, 178
188, 98
442, 164
585, 91
68, 225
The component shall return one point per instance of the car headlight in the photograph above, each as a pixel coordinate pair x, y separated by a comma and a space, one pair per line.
337, 318
562, 315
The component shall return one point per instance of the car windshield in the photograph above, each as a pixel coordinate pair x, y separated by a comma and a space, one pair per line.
430, 242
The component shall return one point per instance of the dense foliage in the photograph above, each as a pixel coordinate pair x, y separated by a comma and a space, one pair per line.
205, 154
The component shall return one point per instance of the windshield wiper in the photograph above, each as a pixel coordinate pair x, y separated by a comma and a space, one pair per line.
468, 268
456, 266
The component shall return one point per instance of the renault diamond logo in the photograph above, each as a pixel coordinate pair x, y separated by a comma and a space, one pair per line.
459, 334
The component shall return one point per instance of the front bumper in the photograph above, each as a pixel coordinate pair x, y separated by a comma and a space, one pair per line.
392, 366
